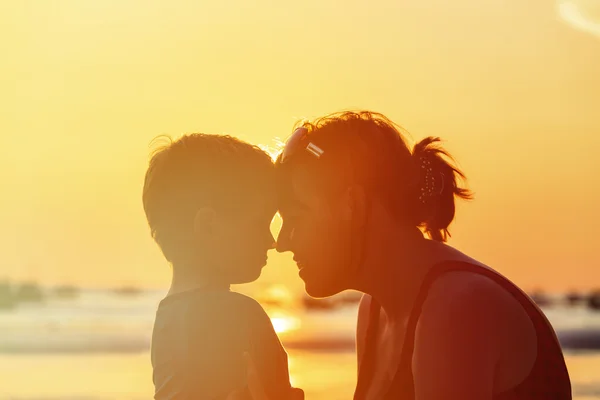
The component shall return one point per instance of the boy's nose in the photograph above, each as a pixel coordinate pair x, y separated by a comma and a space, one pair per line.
272, 242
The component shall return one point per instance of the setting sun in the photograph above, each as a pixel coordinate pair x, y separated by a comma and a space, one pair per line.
285, 323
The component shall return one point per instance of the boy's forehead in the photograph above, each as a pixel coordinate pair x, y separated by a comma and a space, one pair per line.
253, 195
265, 197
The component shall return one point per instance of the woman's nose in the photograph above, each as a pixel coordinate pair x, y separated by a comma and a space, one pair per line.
284, 240
271, 241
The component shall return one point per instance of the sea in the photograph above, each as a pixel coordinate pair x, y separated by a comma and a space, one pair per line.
95, 346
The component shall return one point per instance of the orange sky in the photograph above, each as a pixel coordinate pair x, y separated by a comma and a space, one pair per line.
87, 84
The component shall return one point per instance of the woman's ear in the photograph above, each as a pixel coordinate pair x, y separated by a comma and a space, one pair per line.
354, 205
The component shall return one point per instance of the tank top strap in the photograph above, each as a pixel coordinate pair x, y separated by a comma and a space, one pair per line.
402, 380
402, 385
366, 371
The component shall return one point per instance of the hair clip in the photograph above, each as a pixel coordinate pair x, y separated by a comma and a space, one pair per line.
314, 150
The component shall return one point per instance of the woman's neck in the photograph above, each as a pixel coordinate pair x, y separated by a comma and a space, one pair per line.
395, 267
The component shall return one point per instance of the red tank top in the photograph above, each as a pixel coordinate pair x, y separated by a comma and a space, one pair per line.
548, 379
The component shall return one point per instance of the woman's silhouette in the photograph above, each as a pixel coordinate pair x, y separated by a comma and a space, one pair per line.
434, 323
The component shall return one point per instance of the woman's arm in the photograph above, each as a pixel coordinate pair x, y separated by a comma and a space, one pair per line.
362, 324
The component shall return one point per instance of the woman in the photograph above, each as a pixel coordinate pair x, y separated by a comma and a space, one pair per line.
433, 323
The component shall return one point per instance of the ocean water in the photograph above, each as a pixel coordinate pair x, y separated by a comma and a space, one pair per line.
96, 347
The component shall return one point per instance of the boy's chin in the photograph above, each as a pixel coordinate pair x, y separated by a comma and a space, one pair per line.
247, 276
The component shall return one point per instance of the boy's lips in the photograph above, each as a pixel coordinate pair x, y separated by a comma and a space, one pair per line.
263, 259
299, 263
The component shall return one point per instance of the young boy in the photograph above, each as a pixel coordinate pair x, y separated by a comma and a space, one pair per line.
209, 201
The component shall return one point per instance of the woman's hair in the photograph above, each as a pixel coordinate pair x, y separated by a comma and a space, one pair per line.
418, 186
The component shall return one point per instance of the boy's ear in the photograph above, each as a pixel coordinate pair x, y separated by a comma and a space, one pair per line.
204, 221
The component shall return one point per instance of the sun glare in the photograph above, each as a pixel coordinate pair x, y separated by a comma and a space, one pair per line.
285, 323
279, 292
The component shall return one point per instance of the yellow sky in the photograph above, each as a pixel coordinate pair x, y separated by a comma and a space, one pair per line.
86, 84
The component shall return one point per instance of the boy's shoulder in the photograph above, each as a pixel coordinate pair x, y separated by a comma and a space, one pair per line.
249, 304
224, 302
195, 311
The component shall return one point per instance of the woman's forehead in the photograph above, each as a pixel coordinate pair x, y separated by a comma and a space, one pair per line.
304, 193
294, 196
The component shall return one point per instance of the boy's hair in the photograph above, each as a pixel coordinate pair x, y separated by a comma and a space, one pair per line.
199, 170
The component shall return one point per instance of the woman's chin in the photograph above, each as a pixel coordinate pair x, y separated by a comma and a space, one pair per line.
318, 289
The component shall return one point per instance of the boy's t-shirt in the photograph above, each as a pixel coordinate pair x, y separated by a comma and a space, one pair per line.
198, 343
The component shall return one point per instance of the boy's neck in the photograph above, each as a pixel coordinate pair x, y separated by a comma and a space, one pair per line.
182, 282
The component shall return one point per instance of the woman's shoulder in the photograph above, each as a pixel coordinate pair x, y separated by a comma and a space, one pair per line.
362, 325
441, 253
474, 294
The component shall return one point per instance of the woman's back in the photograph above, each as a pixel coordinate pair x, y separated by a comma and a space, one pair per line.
547, 377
